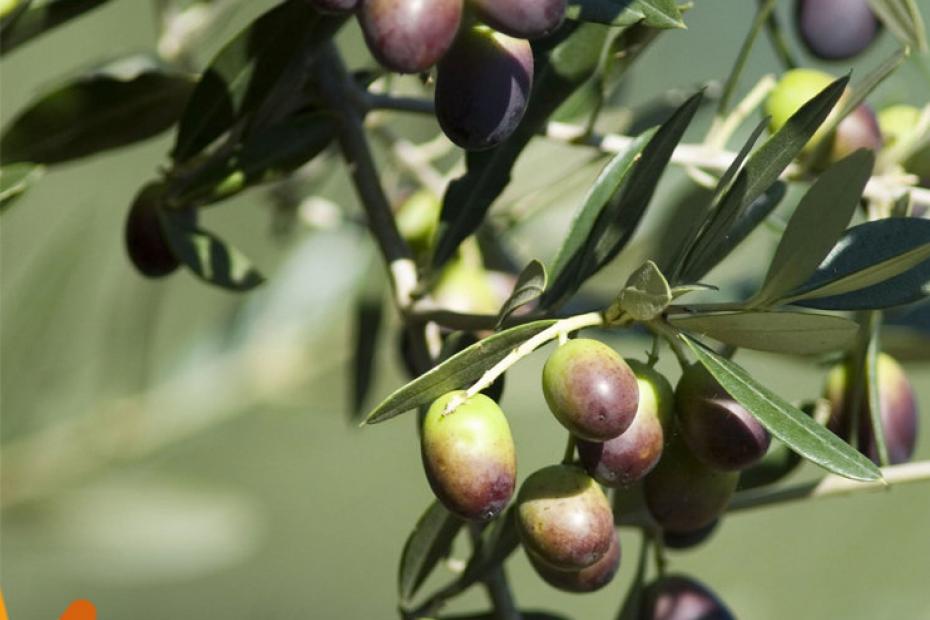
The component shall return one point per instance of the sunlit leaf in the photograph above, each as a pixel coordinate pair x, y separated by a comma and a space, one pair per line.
531, 284
39, 17
652, 13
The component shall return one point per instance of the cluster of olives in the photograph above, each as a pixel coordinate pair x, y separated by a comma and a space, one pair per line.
685, 446
484, 63
862, 128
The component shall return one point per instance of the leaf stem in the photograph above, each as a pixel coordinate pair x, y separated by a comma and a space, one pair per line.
762, 15
777, 38
564, 326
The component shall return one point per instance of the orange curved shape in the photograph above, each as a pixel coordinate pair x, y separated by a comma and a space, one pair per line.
81, 609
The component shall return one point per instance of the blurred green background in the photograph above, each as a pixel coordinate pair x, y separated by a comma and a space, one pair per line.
172, 450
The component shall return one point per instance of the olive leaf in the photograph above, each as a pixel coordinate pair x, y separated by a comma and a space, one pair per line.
95, 113
874, 265
457, 371
531, 284
208, 257
816, 225
762, 169
652, 13
646, 294
801, 333
429, 542
38, 17
245, 72
786, 422
15, 179
903, 19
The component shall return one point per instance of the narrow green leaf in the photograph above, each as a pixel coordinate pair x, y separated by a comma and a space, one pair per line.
786, 422
429, 542
801, 333
15, 180
903, 19
761, 170
94, 114
817, 223
531, 284
652, 13
459, 370
38, 18
597, 198
207, 256
873, 400
646, 294
247, 69
874, 265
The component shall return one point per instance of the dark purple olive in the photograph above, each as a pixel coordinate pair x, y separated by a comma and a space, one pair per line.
335, 6
526, 19
720, 431
483, 87
409, 36
836, 29
692, 538
682, 493
623, 460
564, 518
587, 579
859, 130
898, 410
590, 389
676, 597
145, 242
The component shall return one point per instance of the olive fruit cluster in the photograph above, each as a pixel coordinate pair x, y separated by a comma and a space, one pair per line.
897, 403
484, 71
835, 29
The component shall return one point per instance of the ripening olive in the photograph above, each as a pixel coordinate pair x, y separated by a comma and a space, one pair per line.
526, 19
335, 6
145, 242
469, 456
409, 36
417, 219
859, 130
682, 493
625, 459
794, 89
898, 410
719, 431
676, 597
463, 287
897, 122
482, 88
587, 579
836, 29
590, 389
564, 518
692, 538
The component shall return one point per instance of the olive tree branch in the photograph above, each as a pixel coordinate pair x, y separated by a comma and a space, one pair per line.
336, 86
883, 187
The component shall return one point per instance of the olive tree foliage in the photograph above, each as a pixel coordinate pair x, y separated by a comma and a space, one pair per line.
278, 96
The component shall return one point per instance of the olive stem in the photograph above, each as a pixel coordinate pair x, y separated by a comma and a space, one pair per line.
779, 43
660, 328
762, 14
567, 325
569, 455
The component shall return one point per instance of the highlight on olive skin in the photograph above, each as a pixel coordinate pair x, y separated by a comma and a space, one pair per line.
588, 579
563, 518
590, 389
409, 36
623, 460
720, 432
682, 493
677, 597
898, 410
483, 87
836, 29
469, 456
527, 19
145, 242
